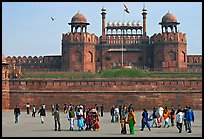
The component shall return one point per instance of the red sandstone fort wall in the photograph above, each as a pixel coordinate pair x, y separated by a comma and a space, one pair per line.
142, 93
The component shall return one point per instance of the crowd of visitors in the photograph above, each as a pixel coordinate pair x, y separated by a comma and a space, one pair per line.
87, 118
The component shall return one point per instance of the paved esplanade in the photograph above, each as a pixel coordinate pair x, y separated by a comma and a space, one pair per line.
31, 127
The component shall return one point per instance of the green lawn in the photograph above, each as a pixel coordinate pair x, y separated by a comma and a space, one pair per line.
116, 73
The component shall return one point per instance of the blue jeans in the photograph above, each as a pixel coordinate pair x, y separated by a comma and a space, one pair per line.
189, 126
16, 118
112, 119
145, 123
154, 122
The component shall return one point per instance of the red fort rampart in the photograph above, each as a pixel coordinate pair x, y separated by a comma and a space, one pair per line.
142, 93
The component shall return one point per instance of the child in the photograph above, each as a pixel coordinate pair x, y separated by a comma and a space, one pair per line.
123, 126
87, 121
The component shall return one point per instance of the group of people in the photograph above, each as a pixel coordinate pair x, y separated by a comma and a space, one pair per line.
88, 118
125, 115
41, 112
171, 117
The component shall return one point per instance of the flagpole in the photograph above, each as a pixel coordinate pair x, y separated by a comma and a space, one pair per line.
122, 37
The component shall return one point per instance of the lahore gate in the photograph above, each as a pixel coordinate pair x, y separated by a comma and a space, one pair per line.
120, 45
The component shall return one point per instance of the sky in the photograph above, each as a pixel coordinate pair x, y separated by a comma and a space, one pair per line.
27, 28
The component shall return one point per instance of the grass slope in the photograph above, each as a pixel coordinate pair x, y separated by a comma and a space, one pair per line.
115, 73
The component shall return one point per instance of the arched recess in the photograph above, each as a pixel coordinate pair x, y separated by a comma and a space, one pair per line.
183, 56
77, 57
158, 56
172, 55
90, 56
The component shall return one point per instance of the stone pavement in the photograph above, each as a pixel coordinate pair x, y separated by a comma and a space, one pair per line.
31, 127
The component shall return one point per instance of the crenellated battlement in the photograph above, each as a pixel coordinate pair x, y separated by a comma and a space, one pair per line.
25, 59
79, 37
194, 59
168, 37
32, 60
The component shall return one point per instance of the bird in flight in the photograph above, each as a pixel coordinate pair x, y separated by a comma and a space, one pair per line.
52, 18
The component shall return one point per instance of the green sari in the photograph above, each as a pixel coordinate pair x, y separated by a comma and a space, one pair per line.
132, 127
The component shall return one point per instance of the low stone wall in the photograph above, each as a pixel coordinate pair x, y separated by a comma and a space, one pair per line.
142, 93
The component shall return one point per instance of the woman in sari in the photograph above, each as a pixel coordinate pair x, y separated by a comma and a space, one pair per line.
80, 119
131, 121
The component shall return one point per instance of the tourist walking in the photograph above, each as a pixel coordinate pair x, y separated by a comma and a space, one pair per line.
159, 119
112, 114
88, 119
33, 111
123, 112
102, 109
154, 116
94, 119
189, 119
123, 125
172, 115
116, 113
17, 113
185, 122
80, 119
65, 107
52, 108
57, 119
145, 120
42, 114
71, 117
120, 112
131, 121
166, 116
179, 120
28, 108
